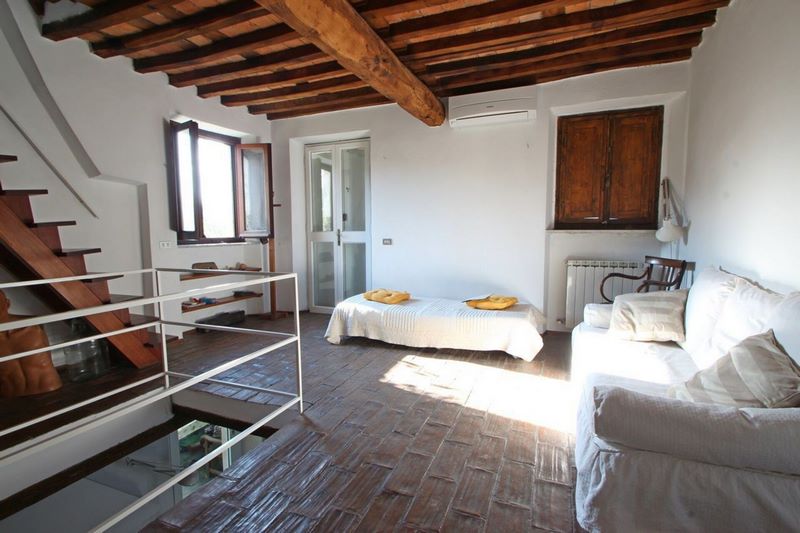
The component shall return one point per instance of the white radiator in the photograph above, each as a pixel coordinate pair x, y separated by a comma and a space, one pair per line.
583, 284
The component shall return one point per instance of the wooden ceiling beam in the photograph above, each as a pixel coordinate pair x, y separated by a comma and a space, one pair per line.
107, 14
281, 78
467, 18
207, 20
295, 91
366, 101
543, 77
634, 50
648, 32
338, 30
224, 48
343, 97
277, 35
580, 23
567, 27
292, 57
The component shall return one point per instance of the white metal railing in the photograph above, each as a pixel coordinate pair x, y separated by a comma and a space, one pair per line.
168, 388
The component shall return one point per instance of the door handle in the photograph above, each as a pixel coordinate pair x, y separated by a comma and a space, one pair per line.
338, 237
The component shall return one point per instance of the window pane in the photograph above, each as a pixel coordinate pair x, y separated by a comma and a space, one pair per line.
321, 191
354, 176
323, 281
216, 188
355, 268
185, 179
255, 193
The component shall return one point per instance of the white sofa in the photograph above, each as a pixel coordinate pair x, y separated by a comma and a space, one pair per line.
647, 462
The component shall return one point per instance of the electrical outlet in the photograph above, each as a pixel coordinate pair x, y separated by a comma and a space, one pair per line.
387, 242
166, 244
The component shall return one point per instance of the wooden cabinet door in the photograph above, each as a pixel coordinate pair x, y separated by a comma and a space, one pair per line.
581, 169
635, 161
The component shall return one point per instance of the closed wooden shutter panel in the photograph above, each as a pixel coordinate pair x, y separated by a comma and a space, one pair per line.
608, 169
635, 167
583, 160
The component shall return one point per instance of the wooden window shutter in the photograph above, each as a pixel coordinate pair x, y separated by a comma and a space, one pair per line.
582, 166
608, 169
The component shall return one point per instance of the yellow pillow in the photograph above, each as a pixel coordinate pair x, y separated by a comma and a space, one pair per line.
387, 296
493, 302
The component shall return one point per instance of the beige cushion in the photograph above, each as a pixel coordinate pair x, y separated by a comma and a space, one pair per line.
745, 313
649, 316
755, 373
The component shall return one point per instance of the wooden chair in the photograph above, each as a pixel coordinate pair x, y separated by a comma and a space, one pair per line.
660, 273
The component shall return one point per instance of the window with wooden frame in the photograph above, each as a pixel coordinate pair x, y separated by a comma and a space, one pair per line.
608, 169
220, 189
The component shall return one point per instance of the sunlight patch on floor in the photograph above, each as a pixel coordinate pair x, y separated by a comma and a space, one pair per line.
528, 398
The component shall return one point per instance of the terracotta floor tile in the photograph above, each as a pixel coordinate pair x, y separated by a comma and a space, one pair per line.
450, 461
364, 486
457, 522
507, 517
408, 474
515, 484
386, 511
475, 492
487, 453
430, 505
428, 439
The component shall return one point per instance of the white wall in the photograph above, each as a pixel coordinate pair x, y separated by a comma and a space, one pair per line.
629, 88
468, 209
456, 203
743, 170
117, 115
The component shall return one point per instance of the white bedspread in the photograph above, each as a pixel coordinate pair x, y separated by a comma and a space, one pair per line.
440, 323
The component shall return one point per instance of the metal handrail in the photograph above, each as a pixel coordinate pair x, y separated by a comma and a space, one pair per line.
168, 389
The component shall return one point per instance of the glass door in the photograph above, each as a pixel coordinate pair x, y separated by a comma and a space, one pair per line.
338, 222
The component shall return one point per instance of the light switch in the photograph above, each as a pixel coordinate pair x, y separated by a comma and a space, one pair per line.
387, 242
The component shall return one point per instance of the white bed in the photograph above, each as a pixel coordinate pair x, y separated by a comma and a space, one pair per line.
440, 323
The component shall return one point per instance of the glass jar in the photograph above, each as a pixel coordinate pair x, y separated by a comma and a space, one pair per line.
86, 360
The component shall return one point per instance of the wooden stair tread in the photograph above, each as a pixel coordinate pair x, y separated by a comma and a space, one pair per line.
221, 301
7, 158
55, 223
103, 278
22, 192
119, 298
67, 252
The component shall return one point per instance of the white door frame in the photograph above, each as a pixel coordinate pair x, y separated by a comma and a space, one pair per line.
338, 236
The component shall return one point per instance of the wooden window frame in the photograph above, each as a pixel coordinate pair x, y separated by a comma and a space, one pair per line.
196, 236
606, 222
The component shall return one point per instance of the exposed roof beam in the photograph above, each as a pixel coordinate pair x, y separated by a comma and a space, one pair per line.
671, 44
295, 91
277, 35
342, 97
558, 27
281, 78
103, 16
366, 101
648, 32
563, 28
337, 29
655, 59
465, 19
293, 57
207, 20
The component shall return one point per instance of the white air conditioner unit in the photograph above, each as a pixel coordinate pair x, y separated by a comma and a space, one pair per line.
497, 107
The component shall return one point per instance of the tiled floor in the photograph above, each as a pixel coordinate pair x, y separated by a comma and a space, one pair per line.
396, 438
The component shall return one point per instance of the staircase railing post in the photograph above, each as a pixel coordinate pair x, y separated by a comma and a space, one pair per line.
162, 329
297, 344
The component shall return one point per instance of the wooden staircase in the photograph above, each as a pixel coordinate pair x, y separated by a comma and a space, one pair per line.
32, 250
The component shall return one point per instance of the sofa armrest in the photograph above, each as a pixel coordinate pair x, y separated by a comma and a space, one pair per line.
598, 315
760, 439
